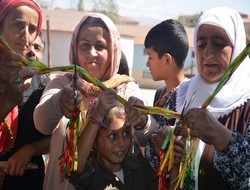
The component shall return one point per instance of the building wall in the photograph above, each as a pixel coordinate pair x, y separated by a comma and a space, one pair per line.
141, 72
59, 48
60, 44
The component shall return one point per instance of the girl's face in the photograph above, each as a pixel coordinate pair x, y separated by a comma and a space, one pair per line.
113, 144
93, 50
19, 28
213, 52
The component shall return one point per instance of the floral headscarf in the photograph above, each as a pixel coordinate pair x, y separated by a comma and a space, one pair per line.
115, 49
7, 5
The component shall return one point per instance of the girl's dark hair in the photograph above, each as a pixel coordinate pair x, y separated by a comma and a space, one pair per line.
117, 112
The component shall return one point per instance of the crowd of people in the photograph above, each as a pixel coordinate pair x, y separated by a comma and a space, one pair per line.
35, 110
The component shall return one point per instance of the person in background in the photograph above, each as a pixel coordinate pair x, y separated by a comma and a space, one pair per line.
123, 67
167, 47
111, 165
223, 127
38, 82
20, 24
96, 47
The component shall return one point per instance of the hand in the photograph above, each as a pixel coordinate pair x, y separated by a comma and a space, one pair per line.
18, 162
204, 126
134, 117
13, 88
178, 150
8, 64
160, 138
107, 100
67, 101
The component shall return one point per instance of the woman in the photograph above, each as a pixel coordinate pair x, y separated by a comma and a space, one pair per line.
222, 158
95, 47
20, 23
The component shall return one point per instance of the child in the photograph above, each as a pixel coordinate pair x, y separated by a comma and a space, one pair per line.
167, 47
110, 167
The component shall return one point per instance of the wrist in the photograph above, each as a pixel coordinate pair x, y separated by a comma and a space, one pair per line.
222, 143
142, 125
96, 122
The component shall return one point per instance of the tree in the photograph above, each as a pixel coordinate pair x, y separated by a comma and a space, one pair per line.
107, 7
189, 21
80, 5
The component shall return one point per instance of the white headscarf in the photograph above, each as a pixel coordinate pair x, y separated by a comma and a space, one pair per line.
237, 90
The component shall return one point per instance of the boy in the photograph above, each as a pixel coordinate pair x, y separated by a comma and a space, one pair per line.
167, 47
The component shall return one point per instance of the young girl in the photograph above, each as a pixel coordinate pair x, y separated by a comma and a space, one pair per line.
110, 167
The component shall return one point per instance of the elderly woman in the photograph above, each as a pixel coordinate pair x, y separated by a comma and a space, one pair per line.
20, 23
222, 158
223, 154
95, 47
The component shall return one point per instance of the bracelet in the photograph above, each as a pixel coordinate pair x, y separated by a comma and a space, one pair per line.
98, 123
139, 128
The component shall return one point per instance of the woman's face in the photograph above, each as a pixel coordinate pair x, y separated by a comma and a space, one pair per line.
19, 28
93, 50
113, 144
213, 52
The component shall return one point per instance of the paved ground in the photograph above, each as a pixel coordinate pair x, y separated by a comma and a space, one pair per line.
149, 95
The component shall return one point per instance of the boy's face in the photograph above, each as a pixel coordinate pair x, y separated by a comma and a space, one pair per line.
113, 144
156, 65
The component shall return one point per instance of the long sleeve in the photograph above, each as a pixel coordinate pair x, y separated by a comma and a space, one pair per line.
48, 112
233, 163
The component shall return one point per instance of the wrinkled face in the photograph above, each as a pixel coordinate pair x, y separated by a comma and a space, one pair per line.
20, 27
113, 144
156, 65
214, 52
93, 50
35, 51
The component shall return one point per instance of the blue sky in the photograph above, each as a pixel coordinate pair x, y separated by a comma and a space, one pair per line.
150, 10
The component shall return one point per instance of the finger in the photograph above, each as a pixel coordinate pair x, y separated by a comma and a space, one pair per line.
26, 73
11, 169
21, 172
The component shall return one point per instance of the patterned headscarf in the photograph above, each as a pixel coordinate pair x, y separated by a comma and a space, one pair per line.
115, 49
7, 5
236, 91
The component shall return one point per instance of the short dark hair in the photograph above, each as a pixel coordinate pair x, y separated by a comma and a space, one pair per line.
169, 36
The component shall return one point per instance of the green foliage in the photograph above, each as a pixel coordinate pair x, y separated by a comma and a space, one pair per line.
80, 5
107, 7
189, 21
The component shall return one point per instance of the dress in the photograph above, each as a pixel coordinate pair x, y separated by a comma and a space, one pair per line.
27, 133
138, 175
55, 123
